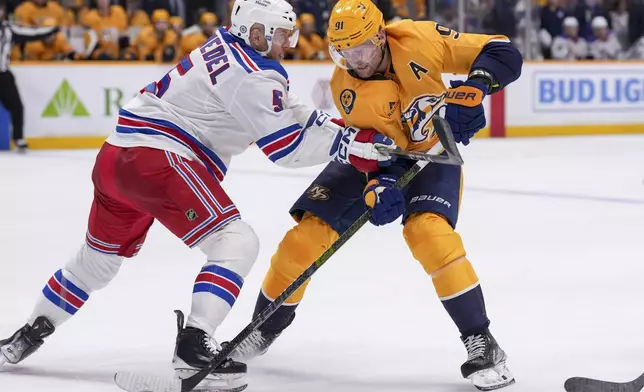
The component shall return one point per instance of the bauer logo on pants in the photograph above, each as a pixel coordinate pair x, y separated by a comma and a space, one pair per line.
437, 199
191, 214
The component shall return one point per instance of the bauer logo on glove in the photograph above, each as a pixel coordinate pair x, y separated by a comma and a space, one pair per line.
465, 96
464, 112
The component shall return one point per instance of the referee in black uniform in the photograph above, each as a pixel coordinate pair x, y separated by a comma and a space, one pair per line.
11, 34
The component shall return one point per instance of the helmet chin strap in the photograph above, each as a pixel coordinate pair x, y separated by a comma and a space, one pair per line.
270, 45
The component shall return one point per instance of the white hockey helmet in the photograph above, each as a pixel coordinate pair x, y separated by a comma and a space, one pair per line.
272, 14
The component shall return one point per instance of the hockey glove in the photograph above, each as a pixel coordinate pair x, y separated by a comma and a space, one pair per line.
357, 147
464, 111
385, 200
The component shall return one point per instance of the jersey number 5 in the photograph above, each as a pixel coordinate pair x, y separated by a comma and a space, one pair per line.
447, 32
278, 106
159, 88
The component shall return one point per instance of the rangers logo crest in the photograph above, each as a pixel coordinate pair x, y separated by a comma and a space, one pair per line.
418, 116
347, 99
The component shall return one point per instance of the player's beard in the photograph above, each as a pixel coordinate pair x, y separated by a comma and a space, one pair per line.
372, 67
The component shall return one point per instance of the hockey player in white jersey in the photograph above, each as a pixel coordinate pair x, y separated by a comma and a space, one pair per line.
605, 46
570, 45
165, 161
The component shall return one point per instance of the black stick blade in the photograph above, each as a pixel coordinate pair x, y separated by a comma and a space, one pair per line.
582, 384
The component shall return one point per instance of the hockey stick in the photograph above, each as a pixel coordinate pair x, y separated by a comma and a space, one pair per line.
453, 156
135, 382
582, 384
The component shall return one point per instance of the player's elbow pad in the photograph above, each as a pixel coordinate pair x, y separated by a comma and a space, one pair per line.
501, 59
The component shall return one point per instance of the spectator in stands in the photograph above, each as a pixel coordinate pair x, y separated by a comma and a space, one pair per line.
552, 16
176, 24
527, 38
635, 22
110, 23
54, 47
74, 13
81, 38
136, 16
585, 11
501, 18
400, 9
34, 12
619, 22
604, 45
448, 16
156, 42
174, 7
310, 46
569, 45
320, 10
195, 36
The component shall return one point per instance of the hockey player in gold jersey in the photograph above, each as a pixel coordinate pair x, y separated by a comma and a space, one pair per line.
195, 36
390, 79
156, 42
55, 47
33, 13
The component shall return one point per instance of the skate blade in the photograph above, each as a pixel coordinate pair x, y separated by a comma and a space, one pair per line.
224, 382
493, 378
136, 382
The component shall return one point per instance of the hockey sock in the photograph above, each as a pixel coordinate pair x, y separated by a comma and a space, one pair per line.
460, 292
439, 249
63, 295
282, 318
215, 291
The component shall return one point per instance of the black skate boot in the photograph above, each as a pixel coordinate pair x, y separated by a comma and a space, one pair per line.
194, 350
21, 145
485, 365
25, 341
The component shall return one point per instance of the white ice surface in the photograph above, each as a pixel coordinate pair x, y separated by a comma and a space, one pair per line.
554, 228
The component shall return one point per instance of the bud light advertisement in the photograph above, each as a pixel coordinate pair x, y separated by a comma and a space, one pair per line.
592, 91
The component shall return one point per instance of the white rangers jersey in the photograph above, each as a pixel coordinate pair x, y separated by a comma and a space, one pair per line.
216, 102
608, 49
564, 48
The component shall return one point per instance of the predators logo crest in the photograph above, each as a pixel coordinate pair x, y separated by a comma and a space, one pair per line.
347, 99
418, 116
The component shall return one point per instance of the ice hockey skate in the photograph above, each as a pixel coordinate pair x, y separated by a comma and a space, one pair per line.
485, 365
194, 350
256, 344
25, 341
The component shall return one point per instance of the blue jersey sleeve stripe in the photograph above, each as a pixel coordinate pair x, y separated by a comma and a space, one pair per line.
277, 135
288, 149
211, 154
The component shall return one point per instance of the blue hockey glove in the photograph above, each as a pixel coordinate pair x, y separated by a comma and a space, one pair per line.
384, 199
464, 111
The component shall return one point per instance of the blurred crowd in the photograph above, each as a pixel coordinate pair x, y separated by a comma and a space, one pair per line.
165, 30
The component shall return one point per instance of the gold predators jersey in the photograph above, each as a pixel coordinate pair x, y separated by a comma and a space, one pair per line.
369, 104
190, 42
420, 53
30, 14
54, 48
149, 44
